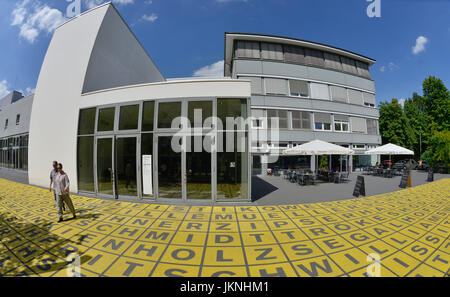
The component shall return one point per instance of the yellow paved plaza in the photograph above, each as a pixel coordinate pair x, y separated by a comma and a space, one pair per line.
409, 230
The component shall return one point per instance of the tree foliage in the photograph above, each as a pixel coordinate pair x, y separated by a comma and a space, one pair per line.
422, 124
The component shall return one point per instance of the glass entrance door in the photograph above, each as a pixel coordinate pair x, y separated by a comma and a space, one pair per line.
169, 170
105, 167
198, 168
126, 166
117, 166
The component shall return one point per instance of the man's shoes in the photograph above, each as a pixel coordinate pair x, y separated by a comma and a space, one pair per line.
60, 220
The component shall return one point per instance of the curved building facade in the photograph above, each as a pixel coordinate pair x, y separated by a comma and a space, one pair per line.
316, 91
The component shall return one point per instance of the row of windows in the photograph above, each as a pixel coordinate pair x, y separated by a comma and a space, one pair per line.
14, 152
130, 116
305, 89
17, 121
300, 55
305, 120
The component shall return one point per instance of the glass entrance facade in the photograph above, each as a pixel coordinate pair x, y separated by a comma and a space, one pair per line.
166, 150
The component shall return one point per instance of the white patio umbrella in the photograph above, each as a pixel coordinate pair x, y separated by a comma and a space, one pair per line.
390, 149
318, 148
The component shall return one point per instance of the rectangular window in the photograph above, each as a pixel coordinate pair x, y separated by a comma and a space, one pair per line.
148, 114
167, 112
258, 118
314, 57
372, 127
256, 83
281, 115
349, 65
358, 125
294, 54
363, 69
339, 94
236, 109
275, 86
86, 121
247, 49
106, 119
369, 99
272, 51
199, 112
332, 61
299, 88
18, 119
341, 123
319, 91
129, 117
301, 120
355, 97
85, 164
6, 124
322, 121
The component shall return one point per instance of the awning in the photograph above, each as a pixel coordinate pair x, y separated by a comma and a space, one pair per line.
317, 147
390, 149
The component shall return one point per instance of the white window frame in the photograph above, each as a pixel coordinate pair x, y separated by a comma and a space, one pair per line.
341, 122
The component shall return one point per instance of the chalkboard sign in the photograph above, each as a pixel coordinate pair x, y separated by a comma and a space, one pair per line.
404, 181
430, 176
360, 187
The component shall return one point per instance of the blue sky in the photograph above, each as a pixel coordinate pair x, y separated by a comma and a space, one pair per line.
410, 40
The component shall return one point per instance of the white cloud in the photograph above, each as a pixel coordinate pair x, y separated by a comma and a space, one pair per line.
402, 101
213, 70
383, 68
29, 91
33, 17
391, 66
94, 3
3, 89
419, 47
150, 18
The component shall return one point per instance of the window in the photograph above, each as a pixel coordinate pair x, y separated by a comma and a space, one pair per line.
256, 83
18, 119
363, 69
358, 125
332, 61
86, 121
369, 99
234, 109
272, 51
275, 86
294, 54
148, 115
349, 65
281, 115
129, 117
301, 120
319, 91
314, 57
258, 118
85, 163
106, 119
341, 123
200, 113
338, 94
299, 88
247, 49
322, 121
355, 97
167, 112
6, 124
372, 128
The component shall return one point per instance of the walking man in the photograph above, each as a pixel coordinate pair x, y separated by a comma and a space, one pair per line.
62, 184
53, 174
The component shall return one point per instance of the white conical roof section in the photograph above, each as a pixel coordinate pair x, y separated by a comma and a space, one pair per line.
390, 149
317, 147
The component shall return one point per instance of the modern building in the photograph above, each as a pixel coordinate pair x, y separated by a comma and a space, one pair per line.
103, 109
317, 92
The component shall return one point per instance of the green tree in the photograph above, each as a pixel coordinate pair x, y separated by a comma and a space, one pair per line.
323, 162
414, 109
438, 153
394, 125
437, 103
